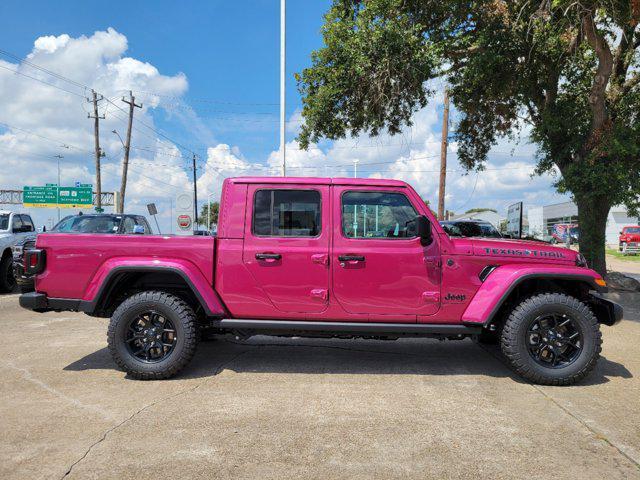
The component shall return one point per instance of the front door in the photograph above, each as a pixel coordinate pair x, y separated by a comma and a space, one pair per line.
379, 267
286, 245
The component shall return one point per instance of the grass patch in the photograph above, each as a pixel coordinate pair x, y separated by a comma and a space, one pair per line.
617, 254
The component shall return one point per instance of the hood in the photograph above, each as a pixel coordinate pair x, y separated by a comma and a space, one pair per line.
524, 249
630, 237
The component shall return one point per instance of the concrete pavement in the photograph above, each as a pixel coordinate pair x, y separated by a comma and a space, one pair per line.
299, 408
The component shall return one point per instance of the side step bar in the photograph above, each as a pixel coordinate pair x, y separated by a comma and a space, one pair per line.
417, 329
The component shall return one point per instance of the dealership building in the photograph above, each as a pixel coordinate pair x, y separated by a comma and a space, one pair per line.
543, 219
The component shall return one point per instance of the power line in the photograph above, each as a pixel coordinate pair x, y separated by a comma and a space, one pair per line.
64, 144
45, 70
42, 81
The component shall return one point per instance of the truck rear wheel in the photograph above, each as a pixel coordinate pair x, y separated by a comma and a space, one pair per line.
7, 281
552, 339
152, 335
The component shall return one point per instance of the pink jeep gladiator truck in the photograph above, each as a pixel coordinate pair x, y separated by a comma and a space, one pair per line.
326, 257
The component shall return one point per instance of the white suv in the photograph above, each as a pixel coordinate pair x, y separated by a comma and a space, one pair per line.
13, 227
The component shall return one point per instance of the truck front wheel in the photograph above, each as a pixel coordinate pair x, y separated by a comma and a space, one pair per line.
152, 335
552, 339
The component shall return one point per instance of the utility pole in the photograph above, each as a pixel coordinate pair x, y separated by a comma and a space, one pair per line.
283, 37
443, 156
127, 146
195, 192
96, 133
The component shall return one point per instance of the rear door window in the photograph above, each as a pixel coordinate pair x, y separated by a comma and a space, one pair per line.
287, 213
16, 223
27, 222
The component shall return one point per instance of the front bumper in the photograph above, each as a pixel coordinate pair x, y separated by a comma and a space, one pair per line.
39, 302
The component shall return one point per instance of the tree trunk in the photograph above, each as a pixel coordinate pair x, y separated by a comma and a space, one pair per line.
592, 216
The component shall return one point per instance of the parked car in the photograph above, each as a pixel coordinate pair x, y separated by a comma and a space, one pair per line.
629, 240
561, 231
326, 257
470, 228
112, 223
13, 228
115, 224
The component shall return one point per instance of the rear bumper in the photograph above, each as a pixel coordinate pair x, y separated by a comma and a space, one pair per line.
39, 302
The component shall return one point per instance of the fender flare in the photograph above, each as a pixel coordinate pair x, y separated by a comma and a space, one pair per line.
208, 299
502, 281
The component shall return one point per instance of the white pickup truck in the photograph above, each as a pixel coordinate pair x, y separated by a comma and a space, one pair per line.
13, 227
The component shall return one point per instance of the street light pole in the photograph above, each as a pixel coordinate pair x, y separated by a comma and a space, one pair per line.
355, 168
283, 37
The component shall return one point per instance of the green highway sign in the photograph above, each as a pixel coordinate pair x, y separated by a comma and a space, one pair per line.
62, 197
40, 196
71, 197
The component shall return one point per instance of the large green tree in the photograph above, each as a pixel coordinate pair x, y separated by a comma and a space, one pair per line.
567, 71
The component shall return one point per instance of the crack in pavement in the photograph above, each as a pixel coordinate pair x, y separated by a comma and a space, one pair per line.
147, 407
28, 376
596, 434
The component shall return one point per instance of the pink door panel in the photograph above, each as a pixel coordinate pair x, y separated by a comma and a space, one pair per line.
375, 269
286, 247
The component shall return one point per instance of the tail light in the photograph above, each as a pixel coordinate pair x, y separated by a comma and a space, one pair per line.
34, 261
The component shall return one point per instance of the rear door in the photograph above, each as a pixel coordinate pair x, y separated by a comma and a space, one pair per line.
379, 266
286, 244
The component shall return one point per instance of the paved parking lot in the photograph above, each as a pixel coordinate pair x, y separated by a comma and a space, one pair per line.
296, 408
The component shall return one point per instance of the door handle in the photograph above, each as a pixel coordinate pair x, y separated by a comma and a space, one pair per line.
351, 258
268, 256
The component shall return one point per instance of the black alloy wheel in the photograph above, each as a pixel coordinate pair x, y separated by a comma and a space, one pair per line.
150, 337
554, 340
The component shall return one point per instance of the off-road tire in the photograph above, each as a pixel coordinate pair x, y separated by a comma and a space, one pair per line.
7, 281
514, 333
173, 308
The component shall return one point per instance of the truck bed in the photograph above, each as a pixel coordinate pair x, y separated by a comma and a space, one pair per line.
76, 261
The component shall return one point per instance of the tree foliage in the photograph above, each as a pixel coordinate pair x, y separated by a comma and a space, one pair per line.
204, 212
480, 210
567, 70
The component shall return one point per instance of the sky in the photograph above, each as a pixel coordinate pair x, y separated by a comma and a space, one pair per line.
207, 75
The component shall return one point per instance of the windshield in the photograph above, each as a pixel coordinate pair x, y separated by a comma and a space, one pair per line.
4, 221
88, 224
629, 230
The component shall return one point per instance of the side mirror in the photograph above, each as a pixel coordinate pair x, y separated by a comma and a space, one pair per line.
420, 227
138, 229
